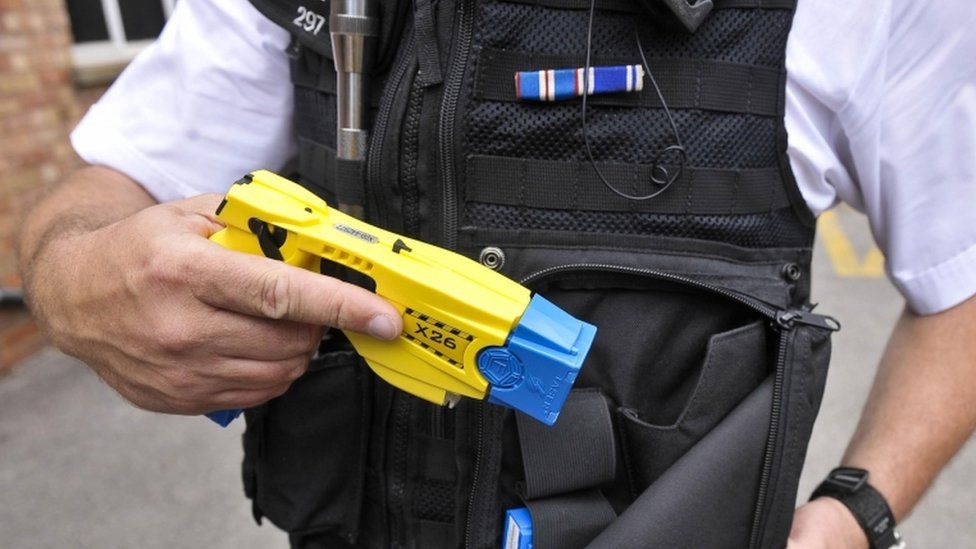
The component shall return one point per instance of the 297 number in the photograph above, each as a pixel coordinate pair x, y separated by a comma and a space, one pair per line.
309, 20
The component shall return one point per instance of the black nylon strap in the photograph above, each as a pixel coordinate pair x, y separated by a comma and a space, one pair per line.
575, 186
350, 182
314, 72
576, 453
428, 51
317, 166
633, 6
867, 505
570, 521
685, 83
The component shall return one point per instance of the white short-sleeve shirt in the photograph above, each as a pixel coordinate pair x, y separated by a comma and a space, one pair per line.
881, 114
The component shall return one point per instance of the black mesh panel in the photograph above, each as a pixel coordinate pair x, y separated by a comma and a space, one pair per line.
434, 500
553, 132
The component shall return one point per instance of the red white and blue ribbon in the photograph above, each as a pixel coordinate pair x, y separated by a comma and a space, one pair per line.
559, 84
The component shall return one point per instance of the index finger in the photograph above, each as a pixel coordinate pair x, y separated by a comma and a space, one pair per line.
259, 286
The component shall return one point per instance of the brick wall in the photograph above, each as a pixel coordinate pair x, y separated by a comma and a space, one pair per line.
38, 107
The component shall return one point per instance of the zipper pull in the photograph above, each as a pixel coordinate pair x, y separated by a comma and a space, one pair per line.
788, 319
427, 48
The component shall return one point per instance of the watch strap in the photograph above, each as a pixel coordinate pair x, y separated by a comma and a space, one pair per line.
866, 504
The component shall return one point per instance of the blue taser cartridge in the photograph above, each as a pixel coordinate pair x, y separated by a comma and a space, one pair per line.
536, 368
560, 84
518, 529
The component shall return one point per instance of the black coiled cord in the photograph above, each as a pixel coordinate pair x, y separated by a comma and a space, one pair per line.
661, 176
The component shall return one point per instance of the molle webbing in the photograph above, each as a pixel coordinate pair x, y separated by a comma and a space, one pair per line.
699, 190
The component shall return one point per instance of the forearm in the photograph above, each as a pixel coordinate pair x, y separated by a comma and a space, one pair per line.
922, 407
88, 199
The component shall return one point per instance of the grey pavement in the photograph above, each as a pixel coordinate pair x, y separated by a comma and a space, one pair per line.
80, 468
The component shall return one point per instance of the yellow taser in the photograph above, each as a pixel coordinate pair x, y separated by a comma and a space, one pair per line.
468, 330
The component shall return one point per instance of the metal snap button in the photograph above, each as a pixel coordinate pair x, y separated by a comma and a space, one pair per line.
792, 272
492, 257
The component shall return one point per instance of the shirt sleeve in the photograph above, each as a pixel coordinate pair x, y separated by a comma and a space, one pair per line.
208, 102
921, 205
895, 136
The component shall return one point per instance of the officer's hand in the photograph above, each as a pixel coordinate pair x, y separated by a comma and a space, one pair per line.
176, 323
825, 523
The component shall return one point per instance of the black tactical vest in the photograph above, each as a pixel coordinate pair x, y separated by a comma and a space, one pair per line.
690, 420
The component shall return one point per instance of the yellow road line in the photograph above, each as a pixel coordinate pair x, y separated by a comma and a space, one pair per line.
841, 252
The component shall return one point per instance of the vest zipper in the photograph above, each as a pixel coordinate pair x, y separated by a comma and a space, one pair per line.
382, 122
771, 439
398, 469
784, 318
452, 92
468, 528
409, 187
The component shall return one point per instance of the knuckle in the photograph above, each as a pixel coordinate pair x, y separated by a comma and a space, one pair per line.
276, 392
166, 264
337, 309
257, 398
307, 338
176, 339
182, 386
183, 405
296, 369
273, 296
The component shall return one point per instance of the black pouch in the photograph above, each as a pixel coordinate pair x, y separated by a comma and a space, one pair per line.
716, 395
316, 434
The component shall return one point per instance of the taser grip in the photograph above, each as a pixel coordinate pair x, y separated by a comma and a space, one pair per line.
452, 308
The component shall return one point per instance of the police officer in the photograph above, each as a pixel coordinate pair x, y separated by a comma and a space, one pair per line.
880, 113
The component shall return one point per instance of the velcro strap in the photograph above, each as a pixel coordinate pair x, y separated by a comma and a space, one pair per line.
350, 182
685, 83
634, 6
557, 185
569, 521
317, 166
578, 452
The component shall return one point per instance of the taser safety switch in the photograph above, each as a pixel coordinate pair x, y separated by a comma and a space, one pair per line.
467, 330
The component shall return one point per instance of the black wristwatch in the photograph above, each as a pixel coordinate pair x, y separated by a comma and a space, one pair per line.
850, 486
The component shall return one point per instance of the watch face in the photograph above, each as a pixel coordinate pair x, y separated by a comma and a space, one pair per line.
848, 479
